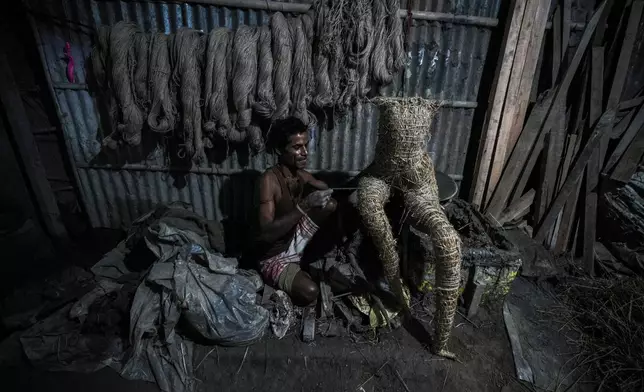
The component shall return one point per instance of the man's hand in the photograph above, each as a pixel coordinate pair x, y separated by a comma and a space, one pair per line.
317, 199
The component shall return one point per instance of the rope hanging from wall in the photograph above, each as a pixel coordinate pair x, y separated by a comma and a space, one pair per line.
226, 86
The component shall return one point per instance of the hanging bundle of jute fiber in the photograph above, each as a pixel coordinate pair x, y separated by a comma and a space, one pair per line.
322, 49
244, 74
265, 102
381, 46
364, 41
396, 53
141, 51
162, 115
130, 118
302, 72
216, 72
282, 62
100, 57
185, 49
401, 162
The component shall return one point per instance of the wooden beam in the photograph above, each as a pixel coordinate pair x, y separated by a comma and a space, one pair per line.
589, 231
623, 124
596, 104
604, 123
556, 44
20, 128
627, 165
565, 28
528, 74
631, 103
491, 129
621, 71
520, 153
625, 141
518, 209
534, 91
534, 19
542, 123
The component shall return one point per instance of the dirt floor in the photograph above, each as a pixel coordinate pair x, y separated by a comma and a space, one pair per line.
394, 361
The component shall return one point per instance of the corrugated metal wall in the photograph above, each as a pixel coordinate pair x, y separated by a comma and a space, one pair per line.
446, 63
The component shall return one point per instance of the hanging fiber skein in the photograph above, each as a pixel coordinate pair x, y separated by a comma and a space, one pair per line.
282, 62
122, 56
161, 117
217, 70
184, 51
265, 102
302, 73
141, 52
244, 75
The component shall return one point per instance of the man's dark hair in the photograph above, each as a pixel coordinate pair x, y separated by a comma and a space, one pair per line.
283, 130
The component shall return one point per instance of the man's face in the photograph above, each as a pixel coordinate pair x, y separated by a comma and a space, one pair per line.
296, 151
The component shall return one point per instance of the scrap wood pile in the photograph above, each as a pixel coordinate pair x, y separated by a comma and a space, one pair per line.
225, 85
546, 167
608, 318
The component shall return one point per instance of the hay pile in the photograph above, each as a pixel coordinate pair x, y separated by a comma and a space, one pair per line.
226, 86
401, 162
608, 318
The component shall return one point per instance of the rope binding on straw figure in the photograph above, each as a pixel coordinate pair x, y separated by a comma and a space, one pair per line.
401, 162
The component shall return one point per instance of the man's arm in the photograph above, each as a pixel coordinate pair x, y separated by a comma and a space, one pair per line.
314, 182
271, 229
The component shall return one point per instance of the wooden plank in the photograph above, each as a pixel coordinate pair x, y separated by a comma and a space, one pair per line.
526, 171
556, 44
627, 165
489, 138
623, 124
520, 208
589, 232
621, 71
568, 220
20, 128
565, 28
625, 141
528, 74
541, 202
534, 91
603, 125
521, 152
503, 142
595, 110
542, 123
631, 103
565, 165
598, 39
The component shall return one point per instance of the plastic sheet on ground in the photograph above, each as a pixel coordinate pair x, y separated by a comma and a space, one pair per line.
190, 290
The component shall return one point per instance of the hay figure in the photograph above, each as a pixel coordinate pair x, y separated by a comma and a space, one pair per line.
401, 162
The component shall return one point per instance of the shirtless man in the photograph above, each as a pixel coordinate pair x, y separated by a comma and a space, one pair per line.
287, 217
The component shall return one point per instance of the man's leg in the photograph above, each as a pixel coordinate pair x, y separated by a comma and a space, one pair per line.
298, 285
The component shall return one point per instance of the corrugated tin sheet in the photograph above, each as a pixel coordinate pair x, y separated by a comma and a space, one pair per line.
446, 64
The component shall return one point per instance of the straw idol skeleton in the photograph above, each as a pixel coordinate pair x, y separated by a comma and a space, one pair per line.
401, 162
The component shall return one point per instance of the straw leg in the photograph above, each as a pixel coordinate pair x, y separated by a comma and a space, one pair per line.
373, 193
428, 216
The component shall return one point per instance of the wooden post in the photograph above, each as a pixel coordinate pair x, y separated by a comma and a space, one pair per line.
28, 152
522, 57
490, 133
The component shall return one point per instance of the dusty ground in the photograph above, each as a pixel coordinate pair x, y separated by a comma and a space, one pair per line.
394, 361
